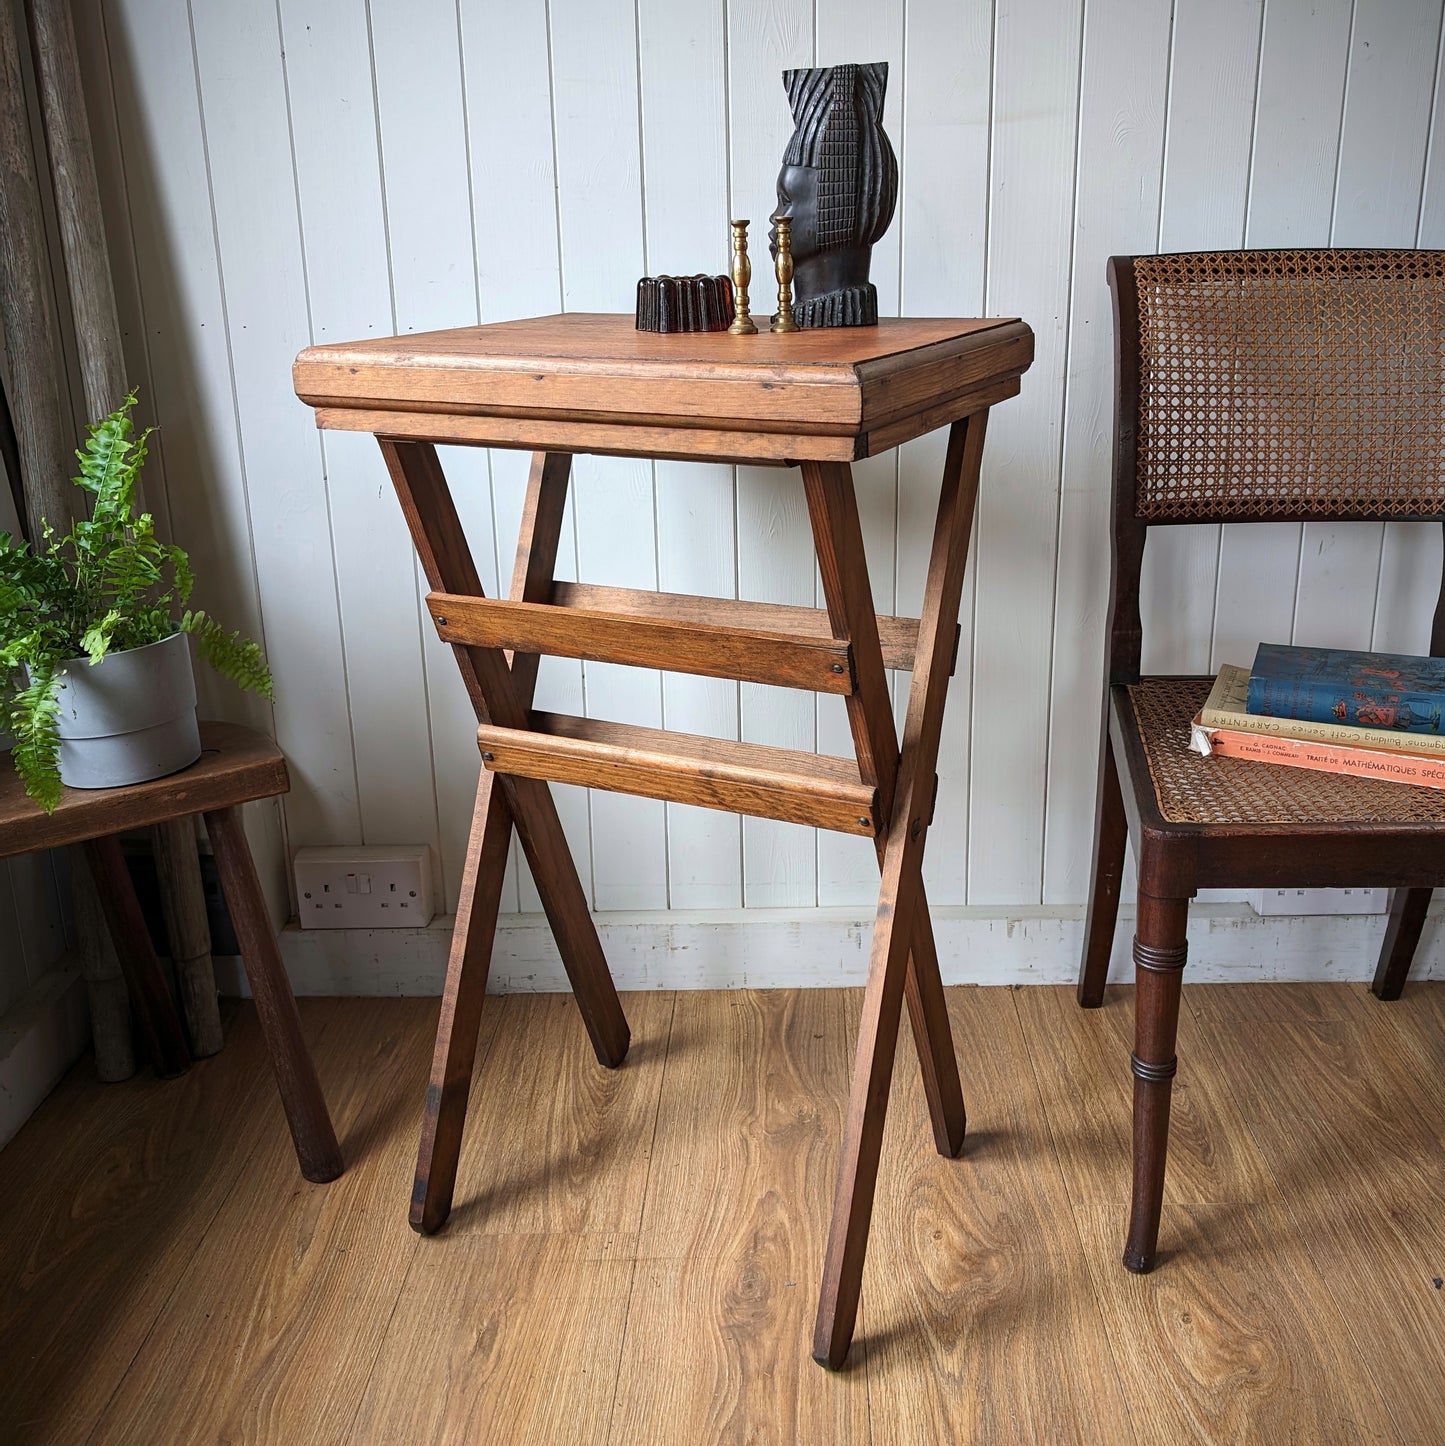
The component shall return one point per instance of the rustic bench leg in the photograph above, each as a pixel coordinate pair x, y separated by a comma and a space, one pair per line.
151, 1003
905, 785
316, 1148
1159, 954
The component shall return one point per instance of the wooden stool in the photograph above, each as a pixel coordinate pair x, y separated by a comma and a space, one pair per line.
587, 383
236, 765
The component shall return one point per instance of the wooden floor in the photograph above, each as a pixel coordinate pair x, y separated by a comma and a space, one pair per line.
634, 1256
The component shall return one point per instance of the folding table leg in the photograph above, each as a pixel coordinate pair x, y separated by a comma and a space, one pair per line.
450, 1086
901, 896
500, 697
932, 1036
447, 560
843, 565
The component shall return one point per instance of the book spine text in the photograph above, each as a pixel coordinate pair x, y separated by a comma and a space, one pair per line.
1328, 758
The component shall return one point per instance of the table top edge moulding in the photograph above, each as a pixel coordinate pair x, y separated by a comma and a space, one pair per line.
589, 382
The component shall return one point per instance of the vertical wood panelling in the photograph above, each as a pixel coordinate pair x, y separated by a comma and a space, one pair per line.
775, 560
514, 218
253, 195
163, 154
427, 188
1031, 213
1121, 144
343, 232
600, 215
943, 219
32, 923
159, 126
276, 173
684, 114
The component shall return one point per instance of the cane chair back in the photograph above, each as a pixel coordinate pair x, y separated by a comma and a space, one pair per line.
1257, 386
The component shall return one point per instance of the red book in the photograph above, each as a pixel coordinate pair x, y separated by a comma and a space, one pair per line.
1392, 767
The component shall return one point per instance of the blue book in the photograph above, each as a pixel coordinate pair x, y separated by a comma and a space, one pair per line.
1363, 690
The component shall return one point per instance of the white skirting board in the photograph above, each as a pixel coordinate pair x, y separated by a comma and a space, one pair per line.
820, 947
41, 1035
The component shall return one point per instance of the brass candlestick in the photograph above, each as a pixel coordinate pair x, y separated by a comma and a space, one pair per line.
783, 321
742, 274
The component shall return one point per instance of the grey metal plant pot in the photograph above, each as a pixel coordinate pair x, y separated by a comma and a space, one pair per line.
130, 717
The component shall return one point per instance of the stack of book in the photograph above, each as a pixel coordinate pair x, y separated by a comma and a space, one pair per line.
1373, 715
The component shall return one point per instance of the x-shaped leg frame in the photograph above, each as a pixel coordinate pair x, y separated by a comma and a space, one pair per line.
904, 960
501, 692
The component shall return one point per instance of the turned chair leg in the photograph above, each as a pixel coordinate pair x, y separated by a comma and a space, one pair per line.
1110, 834
1159, 954
1402, 935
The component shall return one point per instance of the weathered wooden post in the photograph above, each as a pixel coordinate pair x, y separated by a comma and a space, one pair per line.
102, 368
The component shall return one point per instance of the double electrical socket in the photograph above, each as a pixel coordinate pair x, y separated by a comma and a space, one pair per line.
1280, 902
363, 888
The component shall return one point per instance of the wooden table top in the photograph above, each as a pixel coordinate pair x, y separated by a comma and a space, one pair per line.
236, 765
588, 382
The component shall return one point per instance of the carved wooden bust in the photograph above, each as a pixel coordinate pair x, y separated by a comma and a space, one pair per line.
838, 185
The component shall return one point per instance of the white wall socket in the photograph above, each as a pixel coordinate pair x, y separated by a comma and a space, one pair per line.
1272, 902
363, 888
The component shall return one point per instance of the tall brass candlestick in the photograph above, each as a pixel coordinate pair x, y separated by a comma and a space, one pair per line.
742, 274
783, 321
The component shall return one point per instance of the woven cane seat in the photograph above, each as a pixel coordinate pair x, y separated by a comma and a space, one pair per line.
1291, 383
1192, 789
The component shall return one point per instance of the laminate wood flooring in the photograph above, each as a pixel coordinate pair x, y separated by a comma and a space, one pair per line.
634, 1254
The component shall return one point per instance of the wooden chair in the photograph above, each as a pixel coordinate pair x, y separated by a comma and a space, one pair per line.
1253, 386
236, 765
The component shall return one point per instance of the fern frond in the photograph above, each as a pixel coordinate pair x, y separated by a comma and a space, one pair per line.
110, 462
97, 638
34, 720
231, 655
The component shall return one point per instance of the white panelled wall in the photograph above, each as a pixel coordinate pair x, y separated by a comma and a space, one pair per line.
279, 172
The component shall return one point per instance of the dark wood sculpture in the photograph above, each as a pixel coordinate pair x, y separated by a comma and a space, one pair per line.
838, 186
684, 303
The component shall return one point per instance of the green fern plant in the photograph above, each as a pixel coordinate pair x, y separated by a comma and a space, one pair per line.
106, 585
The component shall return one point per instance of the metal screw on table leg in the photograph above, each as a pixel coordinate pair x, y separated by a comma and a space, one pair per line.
488, 757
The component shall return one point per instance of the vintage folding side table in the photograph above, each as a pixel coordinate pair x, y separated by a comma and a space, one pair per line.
814, 399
